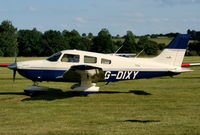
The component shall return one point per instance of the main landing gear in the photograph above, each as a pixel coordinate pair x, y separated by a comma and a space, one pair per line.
86, 85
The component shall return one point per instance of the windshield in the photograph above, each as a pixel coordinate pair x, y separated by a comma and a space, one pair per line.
54, 57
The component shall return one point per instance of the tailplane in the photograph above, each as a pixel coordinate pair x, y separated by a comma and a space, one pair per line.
174, 53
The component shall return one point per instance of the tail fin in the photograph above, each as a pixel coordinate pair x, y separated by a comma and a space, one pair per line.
174, 53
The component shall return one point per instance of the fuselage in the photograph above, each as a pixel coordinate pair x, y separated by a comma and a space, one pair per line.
116, 68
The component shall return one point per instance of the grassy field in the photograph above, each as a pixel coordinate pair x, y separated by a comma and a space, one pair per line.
163, 40
160, 106
159, 40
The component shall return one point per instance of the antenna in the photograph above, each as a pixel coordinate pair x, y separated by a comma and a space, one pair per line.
118, 49
139, 53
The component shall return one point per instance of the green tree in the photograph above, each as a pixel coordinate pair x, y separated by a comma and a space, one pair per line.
143, 41
90, 35
129, 45
117, 44
103, 42
8, 39
52, 42
75, 40
84, 35
161, 46
29, 42
194, 49
150, 47
86, 43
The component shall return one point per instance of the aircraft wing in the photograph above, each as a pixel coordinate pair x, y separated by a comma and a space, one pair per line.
79, 73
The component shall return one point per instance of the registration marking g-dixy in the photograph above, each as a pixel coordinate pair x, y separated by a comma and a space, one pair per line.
125, 75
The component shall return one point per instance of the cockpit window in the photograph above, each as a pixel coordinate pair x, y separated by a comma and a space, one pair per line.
54, 57
70, 58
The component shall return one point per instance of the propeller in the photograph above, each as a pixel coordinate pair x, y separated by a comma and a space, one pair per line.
13, 67
15, 70
14, 74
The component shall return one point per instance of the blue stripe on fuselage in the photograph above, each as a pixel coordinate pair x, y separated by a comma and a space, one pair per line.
110, 76
41, 75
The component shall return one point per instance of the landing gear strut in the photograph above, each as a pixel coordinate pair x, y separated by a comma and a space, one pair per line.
86, 84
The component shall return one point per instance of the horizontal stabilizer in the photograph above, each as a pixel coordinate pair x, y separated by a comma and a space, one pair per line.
181, 70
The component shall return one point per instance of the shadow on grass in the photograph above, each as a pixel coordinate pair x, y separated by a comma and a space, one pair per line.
140, 92
136, 92
53, 94
142, 121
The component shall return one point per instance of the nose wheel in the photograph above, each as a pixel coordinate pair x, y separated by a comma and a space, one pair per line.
34, 89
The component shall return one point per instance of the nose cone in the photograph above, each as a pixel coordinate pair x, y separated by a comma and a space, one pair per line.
13, 66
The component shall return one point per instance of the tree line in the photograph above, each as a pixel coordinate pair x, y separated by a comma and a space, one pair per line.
15, 42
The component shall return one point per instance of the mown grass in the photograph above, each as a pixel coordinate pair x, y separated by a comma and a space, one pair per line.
163, 40
158, 40
167, 106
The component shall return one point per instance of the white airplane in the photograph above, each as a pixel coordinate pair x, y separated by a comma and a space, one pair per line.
88, 68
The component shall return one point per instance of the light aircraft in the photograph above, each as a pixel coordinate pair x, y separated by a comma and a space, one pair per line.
88, 68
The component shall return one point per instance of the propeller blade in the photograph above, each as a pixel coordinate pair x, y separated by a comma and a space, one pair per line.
14, 74
14, 68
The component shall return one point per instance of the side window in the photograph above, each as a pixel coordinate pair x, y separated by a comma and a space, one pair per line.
105, 61
90, 59
70, 58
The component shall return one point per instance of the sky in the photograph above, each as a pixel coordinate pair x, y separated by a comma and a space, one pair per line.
118, 16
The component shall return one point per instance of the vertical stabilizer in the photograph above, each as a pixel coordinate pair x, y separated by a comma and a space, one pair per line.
174, 53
